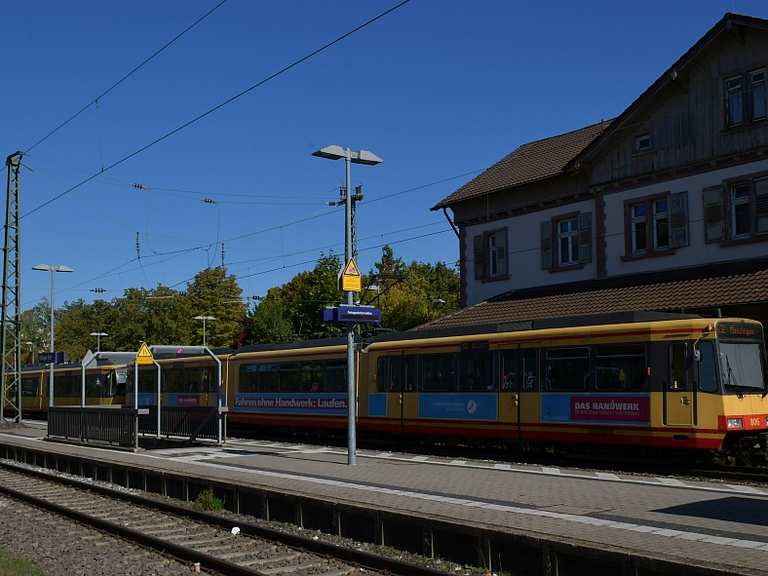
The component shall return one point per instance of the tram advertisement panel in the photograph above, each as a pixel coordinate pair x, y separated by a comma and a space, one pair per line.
318, 404
458, 406
603, 409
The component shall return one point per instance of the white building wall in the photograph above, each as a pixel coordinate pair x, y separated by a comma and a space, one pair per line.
697, 253
524, 253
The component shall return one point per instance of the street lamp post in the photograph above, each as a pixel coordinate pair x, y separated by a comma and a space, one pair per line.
98, 339
31, 345
52, 269
350, 157
204, 319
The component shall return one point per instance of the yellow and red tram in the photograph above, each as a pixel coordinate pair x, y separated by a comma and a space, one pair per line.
659, 381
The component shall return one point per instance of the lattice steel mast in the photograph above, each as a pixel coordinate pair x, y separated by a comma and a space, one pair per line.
10, 315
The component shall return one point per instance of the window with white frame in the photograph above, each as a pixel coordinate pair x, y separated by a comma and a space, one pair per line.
661, 224
568, 241
757, 88
639, 228
656, 225
734, 101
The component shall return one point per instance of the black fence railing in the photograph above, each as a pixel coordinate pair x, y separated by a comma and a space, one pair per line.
190, 422
93, 424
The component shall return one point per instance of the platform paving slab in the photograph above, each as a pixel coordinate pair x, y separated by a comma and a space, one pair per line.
722, 527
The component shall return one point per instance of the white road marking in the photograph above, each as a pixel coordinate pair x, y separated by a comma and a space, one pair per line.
457, 462
607, 475
466, 502
502, 466
418, 458
746, 489
670, 481
551, 471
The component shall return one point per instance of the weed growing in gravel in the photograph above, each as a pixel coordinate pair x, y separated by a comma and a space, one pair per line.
10, 566
207, 501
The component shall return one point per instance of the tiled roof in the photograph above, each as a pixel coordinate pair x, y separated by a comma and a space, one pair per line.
530, 162
706, 292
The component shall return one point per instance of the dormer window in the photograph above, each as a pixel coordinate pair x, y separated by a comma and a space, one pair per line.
642, 143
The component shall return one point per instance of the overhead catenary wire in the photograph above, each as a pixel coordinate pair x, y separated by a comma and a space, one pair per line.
217, 107
131, 72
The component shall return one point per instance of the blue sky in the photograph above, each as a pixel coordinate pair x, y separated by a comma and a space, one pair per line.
437, 89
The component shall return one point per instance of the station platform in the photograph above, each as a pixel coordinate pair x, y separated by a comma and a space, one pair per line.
715, 526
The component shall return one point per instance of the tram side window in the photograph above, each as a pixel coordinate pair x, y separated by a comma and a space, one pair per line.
509, 371
95, 385
620, 368
678, 380
311, 377
29, 386
438, 373
475, 372
66, 385
707, 368
335, 376
382, 375
396, 374
567, 369
290, 378
530, 369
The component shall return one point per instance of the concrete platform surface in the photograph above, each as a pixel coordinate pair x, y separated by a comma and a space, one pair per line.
700, 523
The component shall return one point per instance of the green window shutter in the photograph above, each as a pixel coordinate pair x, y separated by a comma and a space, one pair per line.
546, 245
502, 254
480, 256
585, 237
678, 204
714, 213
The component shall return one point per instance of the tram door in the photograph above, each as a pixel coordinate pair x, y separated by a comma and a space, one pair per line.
402, 386
679, 393
511, 376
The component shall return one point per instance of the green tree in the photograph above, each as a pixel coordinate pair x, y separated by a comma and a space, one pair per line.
36, 328
270, 321
215, 293
293, 311
411, 294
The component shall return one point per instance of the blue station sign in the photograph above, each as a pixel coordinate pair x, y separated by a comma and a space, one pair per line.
346, 314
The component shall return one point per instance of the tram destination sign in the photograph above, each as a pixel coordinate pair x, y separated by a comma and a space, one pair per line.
346, 314
739, 330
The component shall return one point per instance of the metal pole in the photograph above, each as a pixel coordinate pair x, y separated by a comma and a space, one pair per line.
53, 353
159, 376
136, 400
203, 330
98, 342
351, 391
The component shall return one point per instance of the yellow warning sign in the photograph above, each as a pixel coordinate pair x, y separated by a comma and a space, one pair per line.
144, 355
351, 279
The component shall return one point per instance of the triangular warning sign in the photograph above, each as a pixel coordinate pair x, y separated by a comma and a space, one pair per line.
350, 279
351, 268
144, 355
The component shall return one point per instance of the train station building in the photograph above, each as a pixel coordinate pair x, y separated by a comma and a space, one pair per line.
664, 207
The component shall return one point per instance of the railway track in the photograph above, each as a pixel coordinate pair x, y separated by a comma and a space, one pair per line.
194, 536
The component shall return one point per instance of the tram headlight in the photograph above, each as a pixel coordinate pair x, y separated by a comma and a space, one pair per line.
735, 423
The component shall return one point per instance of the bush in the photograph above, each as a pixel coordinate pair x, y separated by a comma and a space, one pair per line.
207, 501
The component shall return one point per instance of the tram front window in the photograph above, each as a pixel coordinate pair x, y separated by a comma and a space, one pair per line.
741, 365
